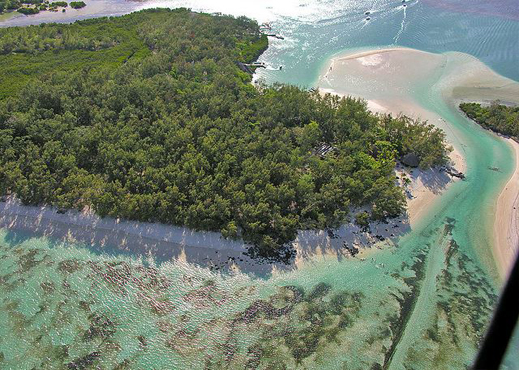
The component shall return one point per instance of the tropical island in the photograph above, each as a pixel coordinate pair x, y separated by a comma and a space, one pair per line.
149, 117
28, 7
152, 117
496, 117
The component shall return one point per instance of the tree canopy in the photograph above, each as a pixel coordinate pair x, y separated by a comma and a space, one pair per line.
172, 131
497, 117
29, 7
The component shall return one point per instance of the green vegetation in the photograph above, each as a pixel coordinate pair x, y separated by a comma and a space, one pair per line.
29, 7
7, 16
77, 4
148, 117
251, 51
28, 52
496, 117
28, 11
9, 5
362, 220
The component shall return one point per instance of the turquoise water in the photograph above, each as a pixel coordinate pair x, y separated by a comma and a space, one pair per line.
423, 25
421, 303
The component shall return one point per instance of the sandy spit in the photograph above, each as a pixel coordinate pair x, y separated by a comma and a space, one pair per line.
392, 72
211, 250
506, 230
426, 186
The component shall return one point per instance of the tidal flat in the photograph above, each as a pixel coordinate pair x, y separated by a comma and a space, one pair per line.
423, 301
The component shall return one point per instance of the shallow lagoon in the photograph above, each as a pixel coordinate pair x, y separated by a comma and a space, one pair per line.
422, 302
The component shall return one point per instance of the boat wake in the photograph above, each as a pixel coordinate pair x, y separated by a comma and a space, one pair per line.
402, 26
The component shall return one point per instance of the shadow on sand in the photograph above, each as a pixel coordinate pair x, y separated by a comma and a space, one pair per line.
206, 249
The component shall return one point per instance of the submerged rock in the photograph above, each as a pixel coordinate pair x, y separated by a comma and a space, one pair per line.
84, 362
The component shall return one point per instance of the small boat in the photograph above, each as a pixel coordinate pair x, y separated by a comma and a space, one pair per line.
368, 18
367, 13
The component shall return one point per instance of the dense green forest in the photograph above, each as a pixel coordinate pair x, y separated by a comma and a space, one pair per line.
496, 117
148, 117
29, 52
28, 7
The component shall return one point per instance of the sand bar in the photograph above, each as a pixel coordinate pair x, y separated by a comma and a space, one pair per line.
506, 226
385, 78
386, 94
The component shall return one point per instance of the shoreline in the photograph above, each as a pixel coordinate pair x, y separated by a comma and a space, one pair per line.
505, 228
367, 53
118, 237
506, 223
207, 249
426, 186
168, 242
210, 249
463, 78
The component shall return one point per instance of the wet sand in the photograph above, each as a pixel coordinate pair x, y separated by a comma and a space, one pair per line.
506, 228
210, 249
386, 78
426, 186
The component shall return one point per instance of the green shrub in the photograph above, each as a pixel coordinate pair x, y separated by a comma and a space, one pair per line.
77, 4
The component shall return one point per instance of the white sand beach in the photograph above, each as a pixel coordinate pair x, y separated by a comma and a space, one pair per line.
113, 236
425, 186
385, 78
506, 225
